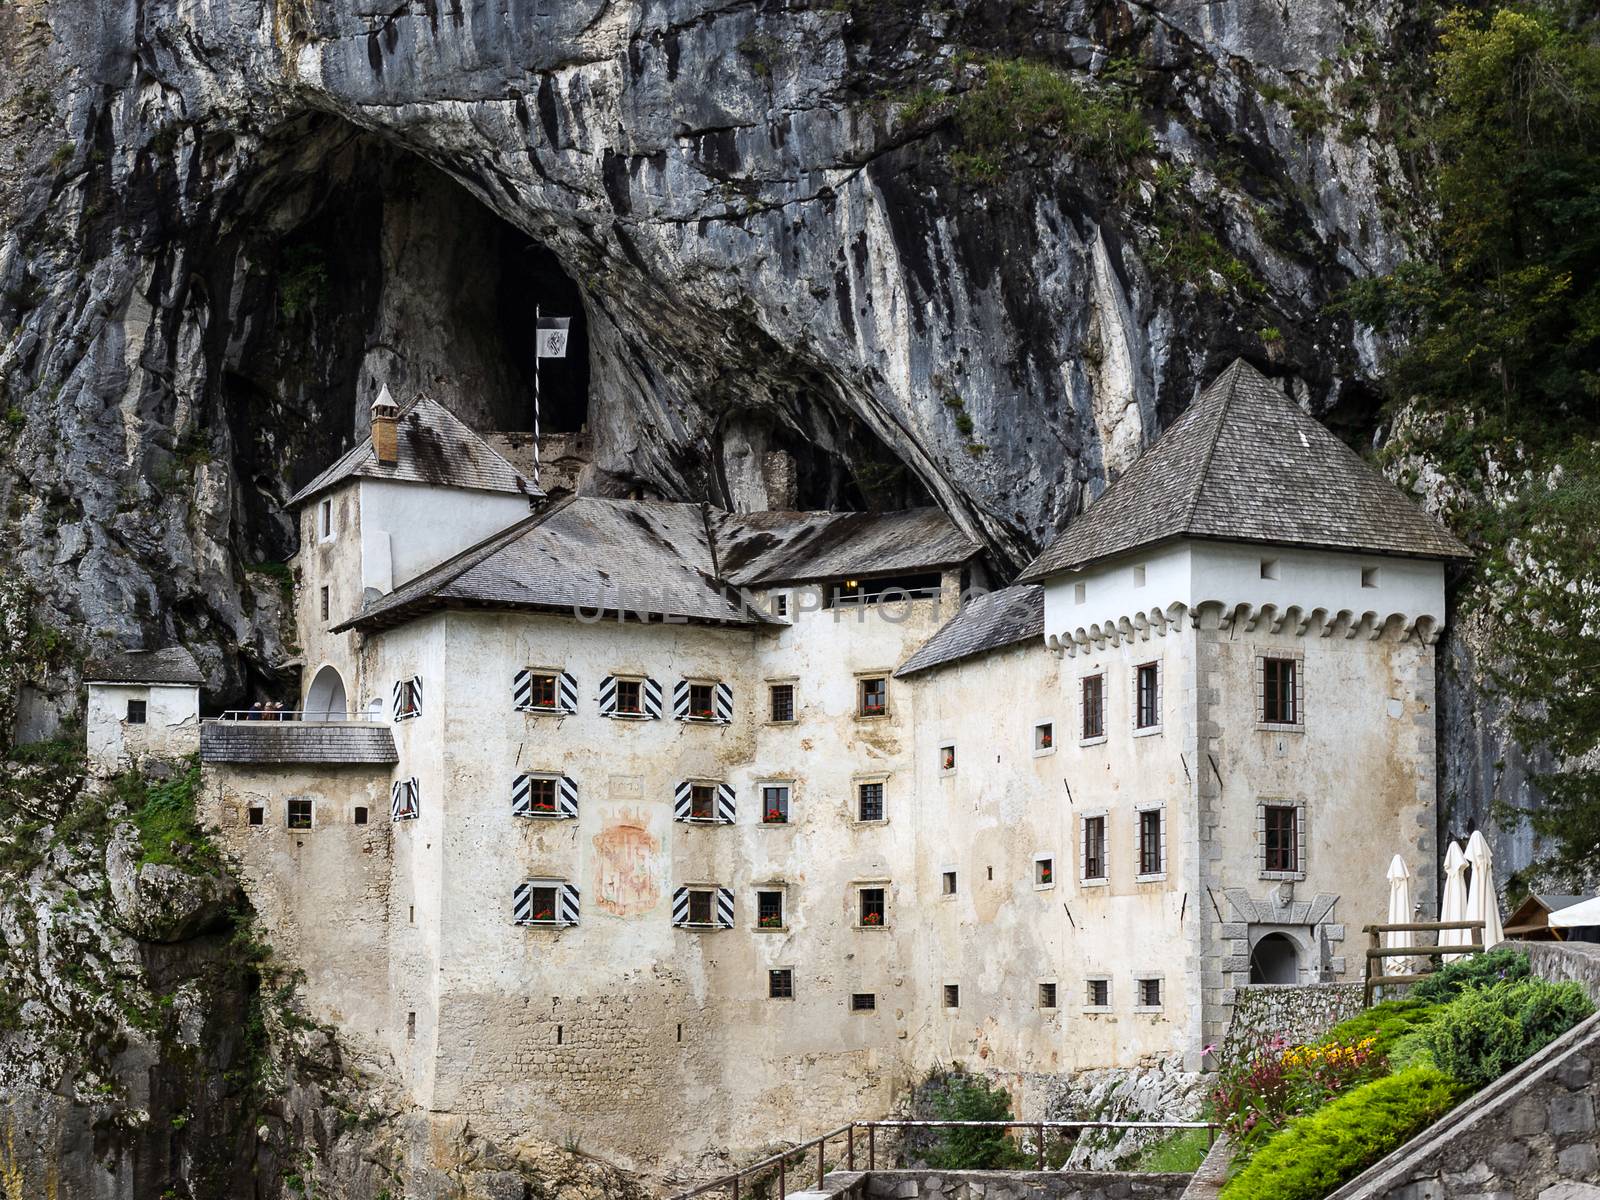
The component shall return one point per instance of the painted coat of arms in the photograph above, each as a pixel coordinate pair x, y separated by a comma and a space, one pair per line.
627, 879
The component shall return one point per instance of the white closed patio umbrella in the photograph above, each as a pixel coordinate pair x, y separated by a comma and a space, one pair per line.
1453, 904
1482, 903
1399, 914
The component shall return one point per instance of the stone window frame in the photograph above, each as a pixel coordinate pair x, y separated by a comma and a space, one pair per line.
1055, 995
327, 528
792, 682
950, 997
1138, 843
137, 711
1047, 858
1079, 708
780, 969
1259, 669
947, 759
1049, 726
857, 888
1139, 980
950, 872
856, 1008
1161, 689
1300, 836
782, 889
1084, 879
789, 785
857, 707
289, 814
882, 779
1088, 1005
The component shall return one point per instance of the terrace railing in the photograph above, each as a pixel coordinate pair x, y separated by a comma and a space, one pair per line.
1379, 952
324, 715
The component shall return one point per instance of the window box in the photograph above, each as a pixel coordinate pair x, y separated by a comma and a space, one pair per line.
552, 797
775, 803
630, 698
407, 698
544, 690
769, 910
703, 803
548, 902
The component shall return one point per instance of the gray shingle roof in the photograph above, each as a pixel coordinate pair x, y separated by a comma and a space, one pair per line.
1004, 618
585, 553
1245, 464
173, 664
434, 446
759, 549
296, 742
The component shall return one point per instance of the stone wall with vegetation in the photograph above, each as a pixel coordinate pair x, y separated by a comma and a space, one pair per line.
1298, 1013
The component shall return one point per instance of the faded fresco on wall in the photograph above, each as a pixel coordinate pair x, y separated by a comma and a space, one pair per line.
626, 883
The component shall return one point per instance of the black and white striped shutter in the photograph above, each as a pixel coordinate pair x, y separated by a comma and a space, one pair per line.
724, 908
724, 703
522, 690
522, 904
680, 700
682, 797
567, 798
680, 906
398, 684
522, 796
608, 696
725, 806
567, 904
651, 692
566, 693
403, 800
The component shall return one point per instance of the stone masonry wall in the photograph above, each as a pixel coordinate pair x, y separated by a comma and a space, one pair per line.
1297, 1013
1022, 1185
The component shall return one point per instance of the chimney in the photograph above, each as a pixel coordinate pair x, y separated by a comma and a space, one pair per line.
386, 428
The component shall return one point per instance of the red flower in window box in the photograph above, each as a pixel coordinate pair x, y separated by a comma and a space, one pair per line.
872, 919
544, 914
1046, 740
702, 713
771, 921
1044, 874
776, 816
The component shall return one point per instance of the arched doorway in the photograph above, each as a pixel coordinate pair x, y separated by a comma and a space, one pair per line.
1275, 960
325, 701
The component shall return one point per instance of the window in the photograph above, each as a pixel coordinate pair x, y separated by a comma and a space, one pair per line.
138, 711
863, 1002
325, 521
1080, 593
404, 800
408, 698
411, 1027
700, 701
361, 814
535, 690
1099, 993
1280, 685
1044, 737
702, 802
1281, 838
541, 906
874, 697
947, 883
629, 698
1152, 841
870, 802
299, 814
1269, 568
638, 696
947, 759
1047, 995
323, 593
545, 902
1138, 577
769, 910
952, 995
780, 984
257, 815
541, 691
1147, 696
703, 907
1094, 849
775, 804
700, 908
1149, 993
1044, 872
782, 707
780, 604
1369, 577
1094, 707
874, 907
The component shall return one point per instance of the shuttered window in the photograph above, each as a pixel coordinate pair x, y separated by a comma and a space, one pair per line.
408, 698
404, 800
702, 701
703, 907
534, 690
545, 902
633, 698
553, 796
713, 803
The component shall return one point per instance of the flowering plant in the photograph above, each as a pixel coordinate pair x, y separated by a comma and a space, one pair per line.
544, 914
1044, 872
1265, 1081
1046, 740
776, 816
872, 918
771, 921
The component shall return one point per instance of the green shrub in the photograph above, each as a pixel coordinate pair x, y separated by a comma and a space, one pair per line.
1473, 971
968, 1098
1387, 1022
1486, 1031
1181, 1152
1314, 1154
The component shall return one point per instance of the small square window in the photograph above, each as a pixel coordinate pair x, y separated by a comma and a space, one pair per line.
952, 995
1138, 576
361, 814
541, 795
863, 1002
138, 711
775, 804
700, 908
324, 601
874, 908
541, 691
299, 814
700, 703
1149, 993
1080, 593
1047, 995
1369, 577
1044, 872
1269, 568
702, 802
869, 798
947, 759
1044, 737
257, 815
947, 883
543, 905
780, 604
1147, 700
769, 910
629, 697
1094, 707
874, 697
1099, 993
782, 703
780, 984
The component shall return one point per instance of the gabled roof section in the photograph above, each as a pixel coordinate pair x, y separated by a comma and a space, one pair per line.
1245, 464
1004, 618
173, 665
764, 548
585, 554
435, 446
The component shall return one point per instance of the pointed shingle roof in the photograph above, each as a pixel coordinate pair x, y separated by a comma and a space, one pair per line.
1004, 618
434, 446
1244, 464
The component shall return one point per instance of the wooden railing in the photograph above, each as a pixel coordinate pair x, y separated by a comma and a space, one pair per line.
1379, 951
764, 1168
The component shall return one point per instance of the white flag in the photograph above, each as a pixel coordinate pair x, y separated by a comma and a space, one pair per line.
552, 336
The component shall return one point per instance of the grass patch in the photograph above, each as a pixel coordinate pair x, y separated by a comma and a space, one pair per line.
1181, 1152
164, 813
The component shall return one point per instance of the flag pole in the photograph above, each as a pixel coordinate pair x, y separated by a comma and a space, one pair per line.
536, 357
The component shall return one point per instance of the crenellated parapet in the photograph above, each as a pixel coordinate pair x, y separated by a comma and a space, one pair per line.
1140, 625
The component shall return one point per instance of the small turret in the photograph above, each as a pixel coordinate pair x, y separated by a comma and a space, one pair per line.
386, 428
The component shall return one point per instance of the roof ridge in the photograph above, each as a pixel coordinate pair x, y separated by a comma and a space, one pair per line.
1235, 370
